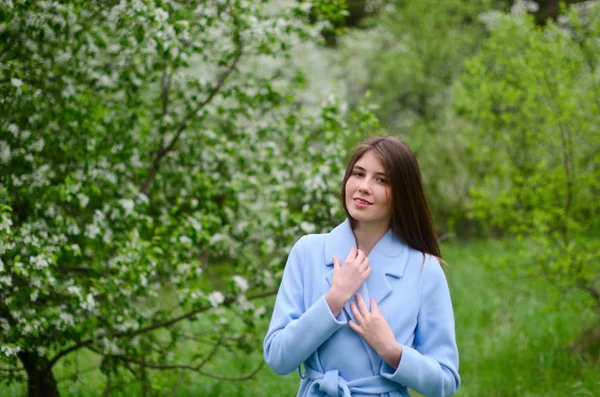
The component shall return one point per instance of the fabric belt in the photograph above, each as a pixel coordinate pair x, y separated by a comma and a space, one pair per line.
331, 383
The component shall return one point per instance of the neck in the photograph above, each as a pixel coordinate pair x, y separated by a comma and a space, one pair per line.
368, 234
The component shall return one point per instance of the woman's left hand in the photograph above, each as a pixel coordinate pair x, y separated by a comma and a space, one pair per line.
373, 328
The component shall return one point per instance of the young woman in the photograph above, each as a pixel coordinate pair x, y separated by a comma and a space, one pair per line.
381, 321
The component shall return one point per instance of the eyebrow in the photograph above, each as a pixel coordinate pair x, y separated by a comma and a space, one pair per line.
358, 167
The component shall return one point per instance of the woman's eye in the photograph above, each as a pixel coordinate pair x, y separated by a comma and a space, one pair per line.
381, 180
358, 174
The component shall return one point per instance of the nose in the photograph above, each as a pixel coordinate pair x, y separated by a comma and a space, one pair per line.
365, 186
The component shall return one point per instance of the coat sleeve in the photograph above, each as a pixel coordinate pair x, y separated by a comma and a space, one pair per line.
431, 366
297, 331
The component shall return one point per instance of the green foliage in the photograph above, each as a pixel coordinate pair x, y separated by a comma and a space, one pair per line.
533, 96
412, 55
421, 51
144, 145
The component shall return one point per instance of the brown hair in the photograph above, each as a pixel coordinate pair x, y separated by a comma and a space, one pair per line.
411, 219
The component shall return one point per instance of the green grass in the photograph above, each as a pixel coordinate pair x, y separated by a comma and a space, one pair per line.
513, 338
513, 335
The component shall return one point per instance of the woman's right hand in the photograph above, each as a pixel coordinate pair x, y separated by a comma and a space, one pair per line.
347, 279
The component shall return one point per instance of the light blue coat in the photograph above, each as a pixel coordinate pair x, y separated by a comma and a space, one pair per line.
412, 293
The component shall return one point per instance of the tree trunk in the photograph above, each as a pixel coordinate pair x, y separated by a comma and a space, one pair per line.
40, 380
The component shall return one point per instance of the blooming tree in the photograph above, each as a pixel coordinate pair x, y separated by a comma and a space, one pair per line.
142, 145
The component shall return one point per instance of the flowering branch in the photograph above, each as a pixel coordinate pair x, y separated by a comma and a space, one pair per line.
196, 368
165, 84
87, 343
160, 153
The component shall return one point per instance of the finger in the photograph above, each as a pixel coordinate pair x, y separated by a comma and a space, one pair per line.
357, 314
336, 263
366, 273
351, 255
364, 265
361, 304
354, 327
374, 307
360, 256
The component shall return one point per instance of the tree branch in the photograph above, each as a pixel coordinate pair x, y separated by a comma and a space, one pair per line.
165, 84
192, 313
566, 146
213, 351
162, 151
591, 290
82, 269
11, 369
88, 342
166, 367
76, 374
7, 48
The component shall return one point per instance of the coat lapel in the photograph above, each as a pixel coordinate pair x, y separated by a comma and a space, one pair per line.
339, 242
388, 259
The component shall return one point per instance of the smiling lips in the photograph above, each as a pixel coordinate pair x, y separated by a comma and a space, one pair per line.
361, 203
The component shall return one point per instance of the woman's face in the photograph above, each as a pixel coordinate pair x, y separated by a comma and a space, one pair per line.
368, 193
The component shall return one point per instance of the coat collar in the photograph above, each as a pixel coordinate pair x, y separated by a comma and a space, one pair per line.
387, 259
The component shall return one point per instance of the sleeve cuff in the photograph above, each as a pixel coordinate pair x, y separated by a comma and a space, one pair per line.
407, 368
323, 311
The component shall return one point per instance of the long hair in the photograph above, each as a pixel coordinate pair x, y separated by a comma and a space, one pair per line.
411, 219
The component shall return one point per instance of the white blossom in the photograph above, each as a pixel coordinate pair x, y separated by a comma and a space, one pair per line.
222, 320
67, 318
216, 298
127, 205
161, 15
217, 237
89, 304
10, 350
76, 250
83, 200
268, 278
5, 153
16, 82
4, 324
244, 304
38, 145
110, 347
307, 227
6, 223
127, 326
38, 261
74, 290
13, 129
241, 283
73, 229
92, 231
260, 311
